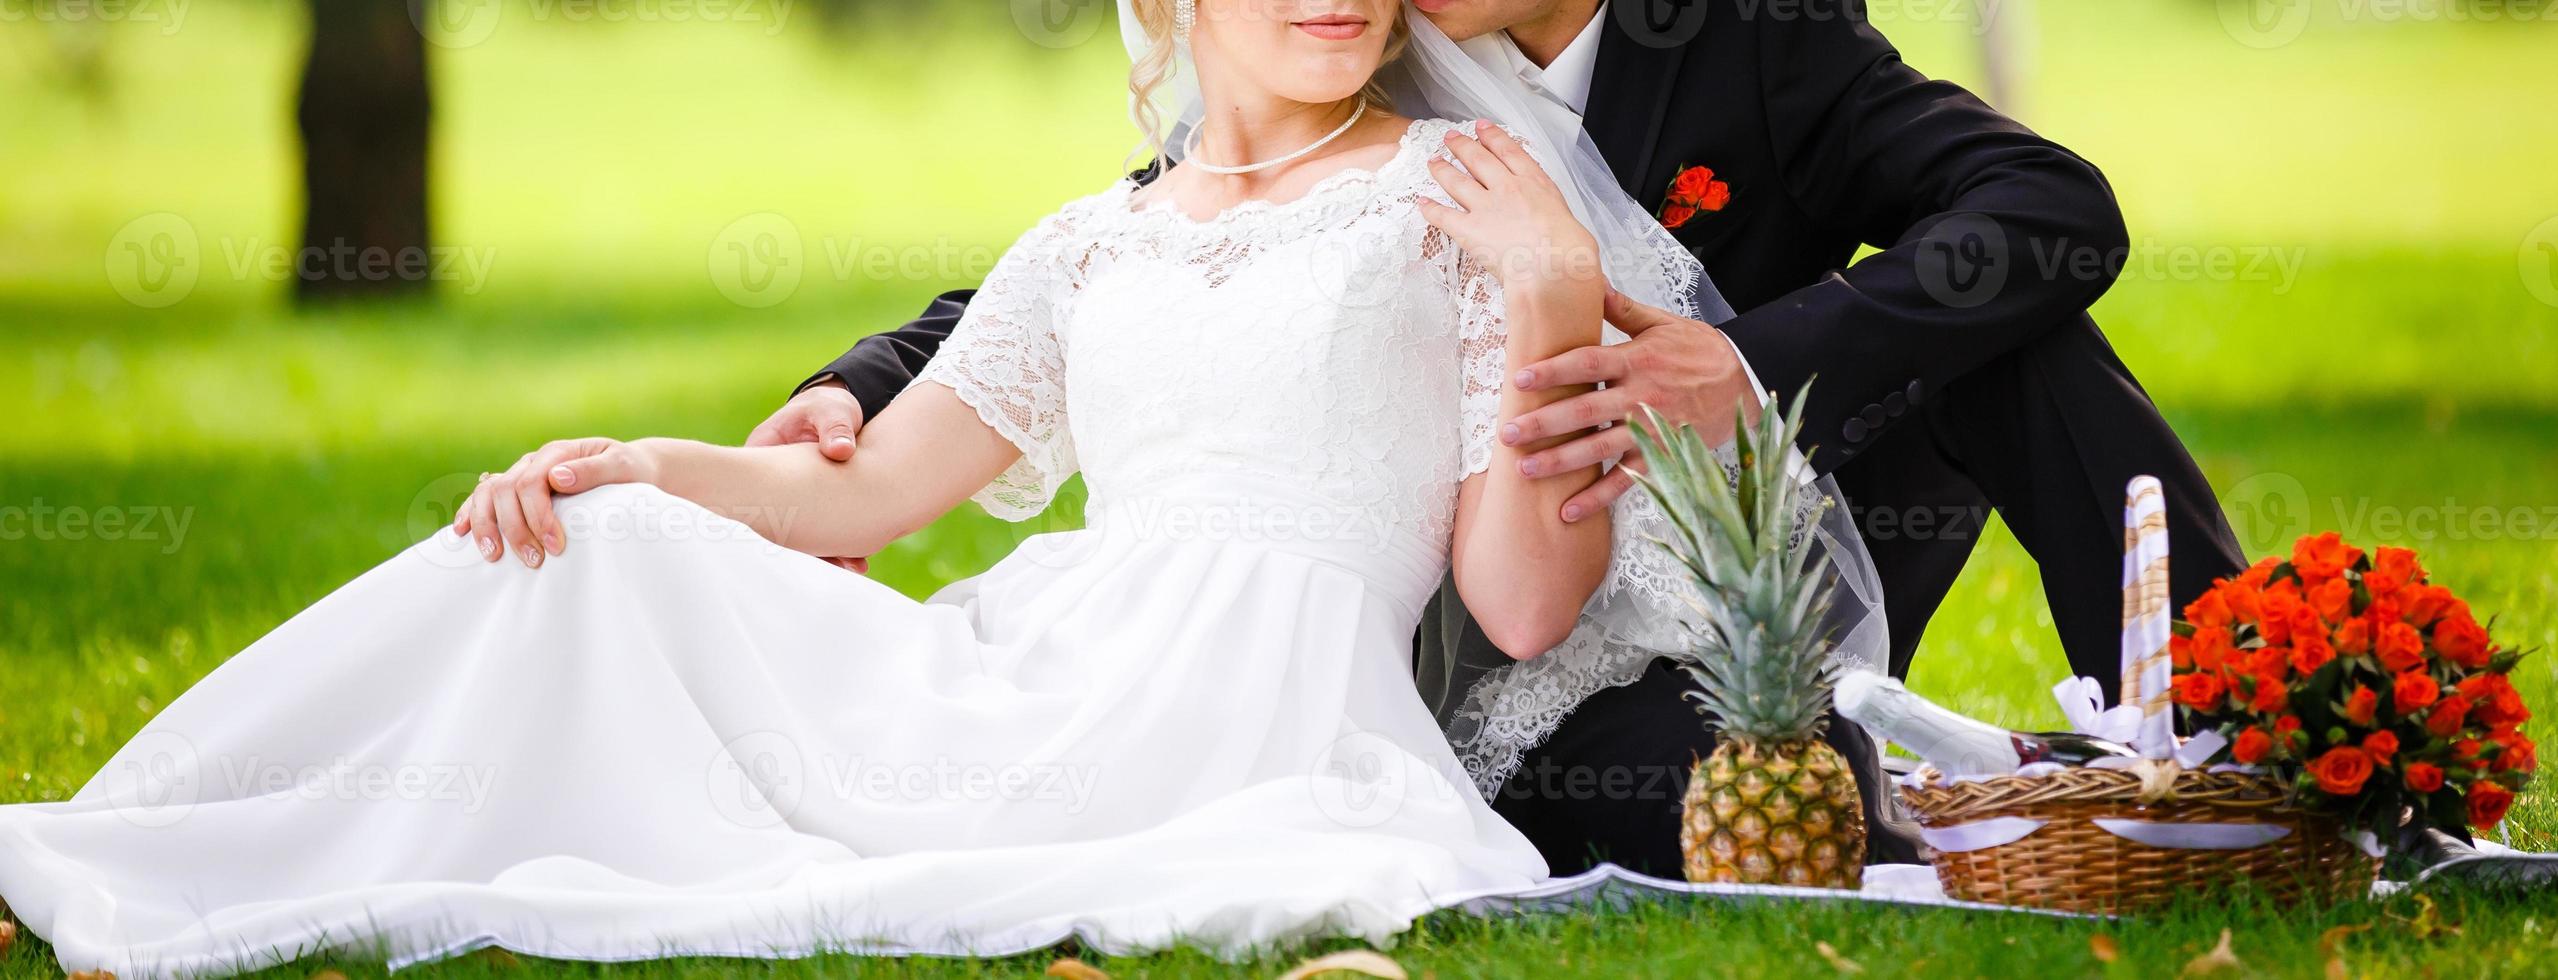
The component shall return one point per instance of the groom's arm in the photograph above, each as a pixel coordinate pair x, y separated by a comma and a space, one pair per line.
881, 365
1990, 234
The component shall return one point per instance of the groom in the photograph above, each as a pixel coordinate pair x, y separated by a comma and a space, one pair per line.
1959, 373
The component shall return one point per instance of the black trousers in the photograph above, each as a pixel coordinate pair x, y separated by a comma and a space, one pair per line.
2047, 436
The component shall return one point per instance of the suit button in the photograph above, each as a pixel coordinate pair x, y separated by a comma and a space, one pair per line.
1895, 403
1915, 391
1873, 415
1854, 430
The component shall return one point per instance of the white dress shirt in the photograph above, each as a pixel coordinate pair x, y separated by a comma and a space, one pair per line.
1564, 83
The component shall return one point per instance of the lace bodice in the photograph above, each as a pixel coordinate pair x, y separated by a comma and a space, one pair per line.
1335, 345
1332, 364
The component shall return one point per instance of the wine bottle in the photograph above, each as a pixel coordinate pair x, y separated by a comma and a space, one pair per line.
1954, 744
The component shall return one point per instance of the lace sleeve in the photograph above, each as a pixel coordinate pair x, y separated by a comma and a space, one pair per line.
1483, 339
1006, 360
1475, 302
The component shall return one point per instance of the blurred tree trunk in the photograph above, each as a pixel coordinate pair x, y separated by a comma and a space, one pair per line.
363, 112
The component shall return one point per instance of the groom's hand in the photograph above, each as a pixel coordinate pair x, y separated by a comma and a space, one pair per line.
824, 413
1686, 370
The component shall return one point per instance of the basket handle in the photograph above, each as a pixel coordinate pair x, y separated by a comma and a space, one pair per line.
2146, 614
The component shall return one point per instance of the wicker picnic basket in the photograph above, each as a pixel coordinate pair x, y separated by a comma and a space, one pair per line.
2072, 863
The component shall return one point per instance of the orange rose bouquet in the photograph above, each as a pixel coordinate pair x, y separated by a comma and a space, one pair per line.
2377, 688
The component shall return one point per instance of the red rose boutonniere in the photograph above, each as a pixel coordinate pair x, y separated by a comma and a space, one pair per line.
1693, 190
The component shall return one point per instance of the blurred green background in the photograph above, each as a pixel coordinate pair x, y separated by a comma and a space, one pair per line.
2342, 291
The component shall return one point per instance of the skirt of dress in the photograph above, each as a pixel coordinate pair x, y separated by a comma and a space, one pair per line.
680, 739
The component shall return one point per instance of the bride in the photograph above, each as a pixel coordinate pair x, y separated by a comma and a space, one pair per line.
1191, 722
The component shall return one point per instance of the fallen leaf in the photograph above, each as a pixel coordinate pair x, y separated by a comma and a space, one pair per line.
497, 959
2220, 958
93, 975
2105, 948
1071, 968
1841, 963
8, 936
2331, 939
1348, 961
328, 975
2428, 921
2331, 948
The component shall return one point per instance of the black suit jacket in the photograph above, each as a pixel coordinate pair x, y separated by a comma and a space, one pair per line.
1828, 142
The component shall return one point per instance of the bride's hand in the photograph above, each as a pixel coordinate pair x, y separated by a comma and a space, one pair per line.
511, 511
1512, 218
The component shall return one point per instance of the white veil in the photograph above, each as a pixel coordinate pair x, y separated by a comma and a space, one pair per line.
1641, 613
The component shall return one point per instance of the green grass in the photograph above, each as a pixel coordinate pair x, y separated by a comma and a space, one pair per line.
1716, 939
2401, 373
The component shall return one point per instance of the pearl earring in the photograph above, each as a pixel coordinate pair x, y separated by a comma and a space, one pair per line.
1184, 14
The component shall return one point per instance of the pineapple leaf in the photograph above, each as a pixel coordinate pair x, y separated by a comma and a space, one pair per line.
1743, 526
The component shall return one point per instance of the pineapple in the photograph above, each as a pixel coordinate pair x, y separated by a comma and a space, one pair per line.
1774, 804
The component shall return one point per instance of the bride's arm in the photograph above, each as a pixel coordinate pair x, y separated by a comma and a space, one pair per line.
930, 449
923, 455
1523, 572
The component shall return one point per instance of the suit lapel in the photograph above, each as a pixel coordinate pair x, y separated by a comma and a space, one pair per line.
1629, 98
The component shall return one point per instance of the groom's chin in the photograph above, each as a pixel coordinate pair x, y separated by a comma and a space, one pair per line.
1461, 20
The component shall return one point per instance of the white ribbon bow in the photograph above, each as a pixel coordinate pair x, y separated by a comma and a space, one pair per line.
2082, 701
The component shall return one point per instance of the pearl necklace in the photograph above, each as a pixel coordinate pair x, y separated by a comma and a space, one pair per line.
1190, 147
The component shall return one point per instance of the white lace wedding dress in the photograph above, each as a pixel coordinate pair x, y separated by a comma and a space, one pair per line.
1191, 722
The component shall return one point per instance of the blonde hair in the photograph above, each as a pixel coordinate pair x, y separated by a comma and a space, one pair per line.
1154, 67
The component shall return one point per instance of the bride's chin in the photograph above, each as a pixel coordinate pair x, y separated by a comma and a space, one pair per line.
1327, 94
1330, 79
